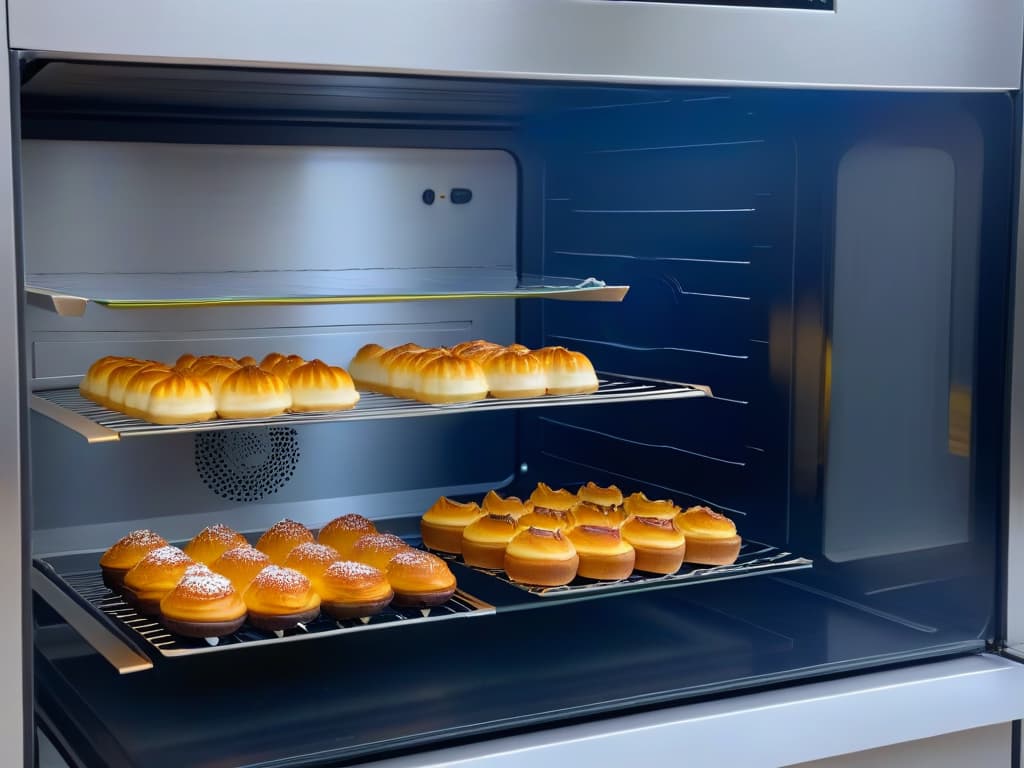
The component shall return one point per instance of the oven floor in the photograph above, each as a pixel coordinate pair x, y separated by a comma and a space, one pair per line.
349, 698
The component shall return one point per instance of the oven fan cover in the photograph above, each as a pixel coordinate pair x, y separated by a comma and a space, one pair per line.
247, 464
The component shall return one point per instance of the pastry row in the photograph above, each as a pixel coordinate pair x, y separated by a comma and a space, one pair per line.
204, 388
595, 533
471, 370
218, 581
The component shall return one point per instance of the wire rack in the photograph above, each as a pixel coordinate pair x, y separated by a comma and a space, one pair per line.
98, 424
89, 587
755, 559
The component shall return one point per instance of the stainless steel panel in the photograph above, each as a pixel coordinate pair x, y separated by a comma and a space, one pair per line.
887, 708
954, 44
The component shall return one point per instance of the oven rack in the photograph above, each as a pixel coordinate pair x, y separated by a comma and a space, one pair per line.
70, 294
130, 641
755, 559
99, 425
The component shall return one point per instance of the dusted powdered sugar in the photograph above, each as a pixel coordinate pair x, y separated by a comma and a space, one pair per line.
286, 579
416, 557
142, 538
351, 569
205, 585
246, 555
315, 552
168, 555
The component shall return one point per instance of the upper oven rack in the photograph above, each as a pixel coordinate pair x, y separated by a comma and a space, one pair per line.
100, 425
70, 294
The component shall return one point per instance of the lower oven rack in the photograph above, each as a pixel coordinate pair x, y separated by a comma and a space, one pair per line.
132, 641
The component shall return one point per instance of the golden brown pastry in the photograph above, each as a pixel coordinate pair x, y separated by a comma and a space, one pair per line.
485, 539
126, 553
135, 401
510, 505
206, 362
366, 369
474, 348
283, 368
450, 378
117, 383
441, 526
608, 499
212, 542
180, 398
638, 504
710, 537
185, 362
311, 559
316, 386
350, 590
214, 375
590, 514
272, 359
154, 576
240, 565
542, 557
98, 372
513, 373
244, 361
388, 358
659, 544
251, 392
567, 372
203, 605
604, 554
280, 598
405, 369
419, 579
341, 533
377, 549
551, 509
281, 538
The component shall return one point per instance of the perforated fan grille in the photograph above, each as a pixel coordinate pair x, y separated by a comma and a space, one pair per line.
247, 464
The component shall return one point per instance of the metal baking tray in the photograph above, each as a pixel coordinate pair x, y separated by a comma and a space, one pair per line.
131, 641
99, 425
755, 559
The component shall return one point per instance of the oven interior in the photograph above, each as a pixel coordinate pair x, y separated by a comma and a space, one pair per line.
833, 265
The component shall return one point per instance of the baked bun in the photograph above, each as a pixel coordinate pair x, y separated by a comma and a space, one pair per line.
272, 359
283, 368
387, 360
351, 590
568, 372
97, 373
126, 553
341, 533
244, 361
281, 538
185, 362
404, 370
450, 379
135, 400
316, 386
377, 549
510, 505
473, 349
608, 499
591, 514
155, 575
485, 539
212, 542
512, 373
251, 392
280, 598
240, 565
214, 375
442, 525
604, 554
551, 508
203, 605
311, 559
180, 398
206, 362
419, 579
638, 504
710, 537
659, 544
366, 369
117, 383
542, 557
